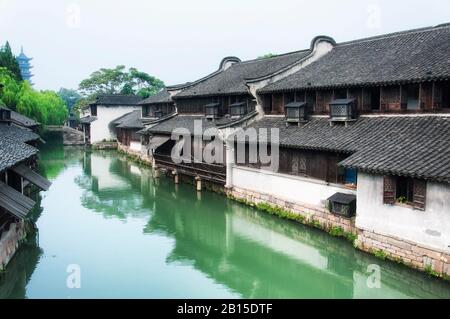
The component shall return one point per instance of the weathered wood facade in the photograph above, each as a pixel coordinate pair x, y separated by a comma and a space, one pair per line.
423, 97
215, 172
197, 105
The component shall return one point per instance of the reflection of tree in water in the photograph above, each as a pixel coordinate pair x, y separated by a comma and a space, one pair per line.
123, 198
54, 157
258, 255
206, 237
14, 280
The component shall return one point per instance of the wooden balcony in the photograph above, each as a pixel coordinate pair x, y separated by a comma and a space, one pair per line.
212, 172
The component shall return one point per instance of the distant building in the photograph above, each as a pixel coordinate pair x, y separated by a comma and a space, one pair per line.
98, 126
24, 65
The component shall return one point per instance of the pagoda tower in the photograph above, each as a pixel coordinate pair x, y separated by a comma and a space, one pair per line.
24, 65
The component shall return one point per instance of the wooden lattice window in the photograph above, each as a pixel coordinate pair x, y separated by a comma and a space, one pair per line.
389, 186
420, 194
405, 191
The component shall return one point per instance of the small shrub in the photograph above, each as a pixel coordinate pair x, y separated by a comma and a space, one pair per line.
380, 254
337, 231
430, 272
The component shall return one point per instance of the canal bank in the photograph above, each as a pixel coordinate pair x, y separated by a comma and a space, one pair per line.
133, 236
406, 253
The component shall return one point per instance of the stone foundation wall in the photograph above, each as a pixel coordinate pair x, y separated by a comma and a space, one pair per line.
423, 258
138, 155
9, 242
317, 216
403, 251
105, 146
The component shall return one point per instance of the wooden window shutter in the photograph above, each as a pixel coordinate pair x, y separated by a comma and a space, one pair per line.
419, 194
389, 186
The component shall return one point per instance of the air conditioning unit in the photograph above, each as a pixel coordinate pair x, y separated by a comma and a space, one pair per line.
342, 204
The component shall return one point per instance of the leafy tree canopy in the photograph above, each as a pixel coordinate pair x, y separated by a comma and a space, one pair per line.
120, 81
45, 107
8, 60
70, 97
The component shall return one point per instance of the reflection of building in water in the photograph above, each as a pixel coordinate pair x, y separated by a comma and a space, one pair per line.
258, 256
14, 280
114, 186
19, 181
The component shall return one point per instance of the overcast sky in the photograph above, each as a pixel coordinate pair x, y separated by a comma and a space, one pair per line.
182, 40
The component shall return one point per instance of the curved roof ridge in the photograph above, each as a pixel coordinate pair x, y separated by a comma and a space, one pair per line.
394, 34
273, 57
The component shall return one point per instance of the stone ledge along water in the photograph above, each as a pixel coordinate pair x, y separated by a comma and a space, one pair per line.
107, 229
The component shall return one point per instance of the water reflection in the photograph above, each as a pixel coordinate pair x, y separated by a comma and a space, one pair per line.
260, 256
168, 234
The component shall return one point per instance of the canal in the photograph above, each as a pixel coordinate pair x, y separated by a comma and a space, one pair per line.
122, 234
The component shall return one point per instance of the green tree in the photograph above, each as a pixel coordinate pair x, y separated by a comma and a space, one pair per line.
120, 81
268, 55
69, 96
8, 60
11, 88
45, 107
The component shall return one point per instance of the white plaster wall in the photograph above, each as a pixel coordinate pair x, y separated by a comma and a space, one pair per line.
292, 188
105, 115
430, 228
135, 146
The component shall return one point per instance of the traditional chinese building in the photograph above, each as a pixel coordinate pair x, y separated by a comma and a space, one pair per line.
364, 141
25, 66
221, 101
131, 128
98, 126
18, 182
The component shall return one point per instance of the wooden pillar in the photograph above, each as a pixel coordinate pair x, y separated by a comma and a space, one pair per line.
155, 171
432, 95
198, 184
420, 96
381, 99
363, 108
176, 177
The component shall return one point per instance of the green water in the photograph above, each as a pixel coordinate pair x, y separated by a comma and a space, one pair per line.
134, 237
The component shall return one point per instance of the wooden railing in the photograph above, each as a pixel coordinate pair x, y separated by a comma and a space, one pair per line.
213, 172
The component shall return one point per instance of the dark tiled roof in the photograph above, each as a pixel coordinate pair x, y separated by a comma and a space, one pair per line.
188, 122
408, 56
13, 152
233, 79
20, 119
131, 120
88, 119
18, 134
118, 99
417, 146
160, 97
180, 121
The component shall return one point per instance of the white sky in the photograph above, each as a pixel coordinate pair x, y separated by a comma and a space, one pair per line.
182, 40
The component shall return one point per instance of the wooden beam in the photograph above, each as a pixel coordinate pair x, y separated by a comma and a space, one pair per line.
432, 95
420, 95
362, 99
381, 98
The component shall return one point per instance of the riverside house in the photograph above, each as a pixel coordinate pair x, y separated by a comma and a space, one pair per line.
364, 145
223, 101
97, 126
18, 181
131, 135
